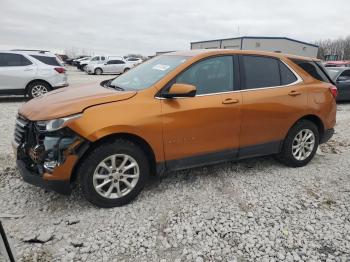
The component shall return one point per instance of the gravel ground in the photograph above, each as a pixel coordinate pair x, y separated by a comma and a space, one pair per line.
252, 210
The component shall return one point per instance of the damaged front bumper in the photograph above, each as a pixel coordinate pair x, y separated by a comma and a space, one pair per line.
46, 159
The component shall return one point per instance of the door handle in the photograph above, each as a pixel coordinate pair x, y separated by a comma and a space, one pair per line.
230, 101
294, 93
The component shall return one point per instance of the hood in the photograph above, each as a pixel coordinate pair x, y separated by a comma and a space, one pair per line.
70, 100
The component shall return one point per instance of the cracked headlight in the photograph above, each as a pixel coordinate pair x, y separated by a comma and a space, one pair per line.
56, 124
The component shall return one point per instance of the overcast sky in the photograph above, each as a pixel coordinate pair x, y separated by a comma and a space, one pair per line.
135, 26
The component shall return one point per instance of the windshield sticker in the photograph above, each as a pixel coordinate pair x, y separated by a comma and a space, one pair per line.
161, 67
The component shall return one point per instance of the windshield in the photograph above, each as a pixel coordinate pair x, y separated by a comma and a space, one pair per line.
148, 73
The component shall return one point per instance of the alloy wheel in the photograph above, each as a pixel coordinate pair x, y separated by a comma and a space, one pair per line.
38, 90
116, 176
303, 144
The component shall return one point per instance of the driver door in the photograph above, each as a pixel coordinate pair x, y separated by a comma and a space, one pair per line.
204, 128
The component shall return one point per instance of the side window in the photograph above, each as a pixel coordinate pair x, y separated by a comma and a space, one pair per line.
111, 62
48, 60
287, 76
7, 59
312, 69
346, 74
212, 75
260, 72
119, 62
103, 58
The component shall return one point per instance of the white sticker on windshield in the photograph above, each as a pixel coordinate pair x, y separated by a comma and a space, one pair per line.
161, 67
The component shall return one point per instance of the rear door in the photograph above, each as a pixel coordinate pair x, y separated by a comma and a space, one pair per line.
110, 66
15, 71
273, 99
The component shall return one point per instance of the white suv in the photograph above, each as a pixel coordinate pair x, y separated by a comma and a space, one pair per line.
30, 73
113, 66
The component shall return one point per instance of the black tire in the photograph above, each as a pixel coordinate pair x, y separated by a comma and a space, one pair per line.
32, 87
286, 155
126, 70
98, 71
96, 156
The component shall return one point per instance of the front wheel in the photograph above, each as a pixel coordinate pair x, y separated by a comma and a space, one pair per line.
300, 145
113, 174
98, 71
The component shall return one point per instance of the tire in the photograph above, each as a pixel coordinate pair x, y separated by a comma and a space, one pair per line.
126, 70
98, 71
38, 88
293, 146
92, 173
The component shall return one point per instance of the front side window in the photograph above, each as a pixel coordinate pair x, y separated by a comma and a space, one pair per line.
103, 58
111, 62
48, 60
212, 75
7, 59
119, 62
345, 75
96, 58
260, 71
148, 73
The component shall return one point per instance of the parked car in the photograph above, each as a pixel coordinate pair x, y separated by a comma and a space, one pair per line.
100, 60
341, 77
78, 59
30, 73
82, 62
337, 63
175, 111
114, 66
134, 60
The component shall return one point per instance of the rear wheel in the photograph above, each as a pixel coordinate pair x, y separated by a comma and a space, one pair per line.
300, 145
114, 173
38, 88
98, 71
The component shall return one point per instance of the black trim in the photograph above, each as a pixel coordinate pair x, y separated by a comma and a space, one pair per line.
270, 148
12, 91
328, 133
260, 150
57, 87
200, 160
62, 187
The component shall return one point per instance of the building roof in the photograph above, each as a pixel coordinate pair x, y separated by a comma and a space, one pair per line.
207, 52
256, 37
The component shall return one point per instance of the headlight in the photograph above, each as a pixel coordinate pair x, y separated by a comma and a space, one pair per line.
56, 124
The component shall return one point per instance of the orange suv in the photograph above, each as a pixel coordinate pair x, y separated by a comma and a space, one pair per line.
175, 111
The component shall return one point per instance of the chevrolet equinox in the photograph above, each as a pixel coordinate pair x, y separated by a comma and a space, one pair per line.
175, 111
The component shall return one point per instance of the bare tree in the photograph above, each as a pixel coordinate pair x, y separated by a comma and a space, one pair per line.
339, 47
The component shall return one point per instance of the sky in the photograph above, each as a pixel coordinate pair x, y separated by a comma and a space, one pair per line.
120, 27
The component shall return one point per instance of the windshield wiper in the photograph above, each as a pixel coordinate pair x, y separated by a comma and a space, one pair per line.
116, 87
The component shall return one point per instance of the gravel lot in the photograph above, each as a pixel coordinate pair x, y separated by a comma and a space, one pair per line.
252, 210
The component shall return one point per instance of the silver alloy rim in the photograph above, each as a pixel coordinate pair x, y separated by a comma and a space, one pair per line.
116, 176
98, 71
39, 90
303, 144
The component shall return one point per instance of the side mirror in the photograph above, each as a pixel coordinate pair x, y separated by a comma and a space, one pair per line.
180, 90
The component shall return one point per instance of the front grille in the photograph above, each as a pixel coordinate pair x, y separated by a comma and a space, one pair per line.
21, 129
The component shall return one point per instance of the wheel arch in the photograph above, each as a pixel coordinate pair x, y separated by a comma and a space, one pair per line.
316, 120
98, 68
139, 141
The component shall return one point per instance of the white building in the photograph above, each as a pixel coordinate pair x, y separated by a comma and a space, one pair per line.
272, 44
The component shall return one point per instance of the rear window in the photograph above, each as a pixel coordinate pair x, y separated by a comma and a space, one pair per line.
313, 69
48, 60
287, 76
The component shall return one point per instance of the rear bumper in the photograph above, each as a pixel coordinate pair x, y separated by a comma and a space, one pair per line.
62, 187
328, 133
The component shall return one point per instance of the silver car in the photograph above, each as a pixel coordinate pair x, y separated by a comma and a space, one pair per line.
30, 73
114, 66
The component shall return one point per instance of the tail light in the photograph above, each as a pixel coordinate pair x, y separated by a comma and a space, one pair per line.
334, 91
60, 70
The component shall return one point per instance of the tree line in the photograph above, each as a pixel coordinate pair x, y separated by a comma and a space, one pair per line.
339, 47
